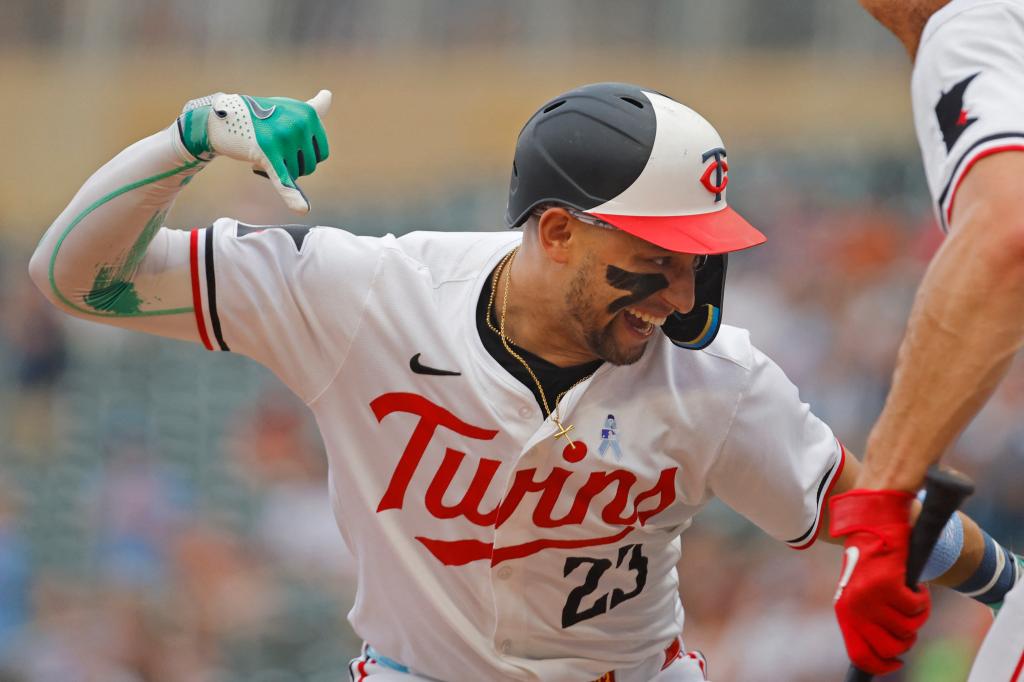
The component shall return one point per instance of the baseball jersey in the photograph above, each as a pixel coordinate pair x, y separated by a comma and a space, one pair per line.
486, 548
968, 91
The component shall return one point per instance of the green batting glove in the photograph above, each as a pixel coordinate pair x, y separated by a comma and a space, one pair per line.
282, 138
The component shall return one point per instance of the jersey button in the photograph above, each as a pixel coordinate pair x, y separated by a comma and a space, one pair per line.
506, 646
505, 572
525, 411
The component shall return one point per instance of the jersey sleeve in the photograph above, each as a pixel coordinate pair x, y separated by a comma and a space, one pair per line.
779, 461
289, 296
968, 92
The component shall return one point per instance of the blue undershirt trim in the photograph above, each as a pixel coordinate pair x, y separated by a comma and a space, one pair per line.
995, 576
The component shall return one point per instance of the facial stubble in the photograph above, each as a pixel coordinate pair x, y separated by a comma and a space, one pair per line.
586, 313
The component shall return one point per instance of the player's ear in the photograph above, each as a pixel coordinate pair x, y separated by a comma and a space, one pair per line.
556, 231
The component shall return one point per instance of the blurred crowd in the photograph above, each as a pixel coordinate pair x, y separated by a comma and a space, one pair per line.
140, 548
164, 514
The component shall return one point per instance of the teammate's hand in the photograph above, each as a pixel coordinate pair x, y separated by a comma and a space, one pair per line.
282, 138
878, 614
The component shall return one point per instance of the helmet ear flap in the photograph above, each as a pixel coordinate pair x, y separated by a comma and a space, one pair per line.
697, 329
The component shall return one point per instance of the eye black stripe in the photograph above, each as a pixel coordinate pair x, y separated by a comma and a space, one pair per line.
639, 285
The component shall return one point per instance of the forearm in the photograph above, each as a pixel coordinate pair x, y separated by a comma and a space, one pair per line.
91, 257
967, 323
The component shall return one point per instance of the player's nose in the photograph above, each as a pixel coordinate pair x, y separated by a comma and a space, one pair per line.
681, 291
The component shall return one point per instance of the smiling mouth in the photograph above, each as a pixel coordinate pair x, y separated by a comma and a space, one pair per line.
641, 322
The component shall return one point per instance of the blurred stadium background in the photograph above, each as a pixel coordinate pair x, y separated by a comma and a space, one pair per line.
163, 515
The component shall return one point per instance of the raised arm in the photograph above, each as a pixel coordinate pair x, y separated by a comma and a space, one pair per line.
108, 256
966, 325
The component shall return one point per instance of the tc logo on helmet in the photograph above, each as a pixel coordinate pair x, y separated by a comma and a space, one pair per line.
719, 167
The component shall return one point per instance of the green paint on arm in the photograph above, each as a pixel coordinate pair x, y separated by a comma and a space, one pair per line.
109, 277
118, 297
193, 128
112, 290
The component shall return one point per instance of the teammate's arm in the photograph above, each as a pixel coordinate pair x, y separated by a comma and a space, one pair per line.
108, 257
966, 325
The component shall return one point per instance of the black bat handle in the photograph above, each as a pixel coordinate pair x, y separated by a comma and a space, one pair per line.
944, 491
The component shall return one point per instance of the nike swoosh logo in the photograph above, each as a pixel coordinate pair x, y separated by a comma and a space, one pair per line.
258, 111
419, 368
850, 558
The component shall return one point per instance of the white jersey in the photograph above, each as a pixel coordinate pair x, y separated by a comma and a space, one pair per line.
487, 548
968, 91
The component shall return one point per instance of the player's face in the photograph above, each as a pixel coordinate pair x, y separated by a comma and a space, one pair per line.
622, 290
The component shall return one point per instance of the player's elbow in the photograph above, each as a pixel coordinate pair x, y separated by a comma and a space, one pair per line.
39, 270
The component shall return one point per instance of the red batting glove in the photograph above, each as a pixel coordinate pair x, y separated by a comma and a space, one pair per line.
878, 614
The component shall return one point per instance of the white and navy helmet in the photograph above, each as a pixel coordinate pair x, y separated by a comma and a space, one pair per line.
645, 164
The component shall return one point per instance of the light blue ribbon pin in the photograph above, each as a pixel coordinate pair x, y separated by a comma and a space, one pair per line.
609, 438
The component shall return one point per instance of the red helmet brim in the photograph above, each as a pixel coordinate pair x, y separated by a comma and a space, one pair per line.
711, 233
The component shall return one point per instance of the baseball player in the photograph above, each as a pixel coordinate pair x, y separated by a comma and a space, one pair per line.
965, 327
519, 425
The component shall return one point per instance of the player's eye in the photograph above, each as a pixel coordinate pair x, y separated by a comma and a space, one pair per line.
661, 261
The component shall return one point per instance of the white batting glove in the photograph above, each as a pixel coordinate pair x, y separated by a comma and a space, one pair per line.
282, 138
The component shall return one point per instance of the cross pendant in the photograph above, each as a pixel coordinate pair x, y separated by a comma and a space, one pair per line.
562, 430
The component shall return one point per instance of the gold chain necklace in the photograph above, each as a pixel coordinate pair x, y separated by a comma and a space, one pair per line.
505, 266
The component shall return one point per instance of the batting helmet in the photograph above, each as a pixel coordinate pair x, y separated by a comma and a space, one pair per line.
644, 163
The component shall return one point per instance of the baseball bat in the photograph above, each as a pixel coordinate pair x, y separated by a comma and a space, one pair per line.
944, 491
